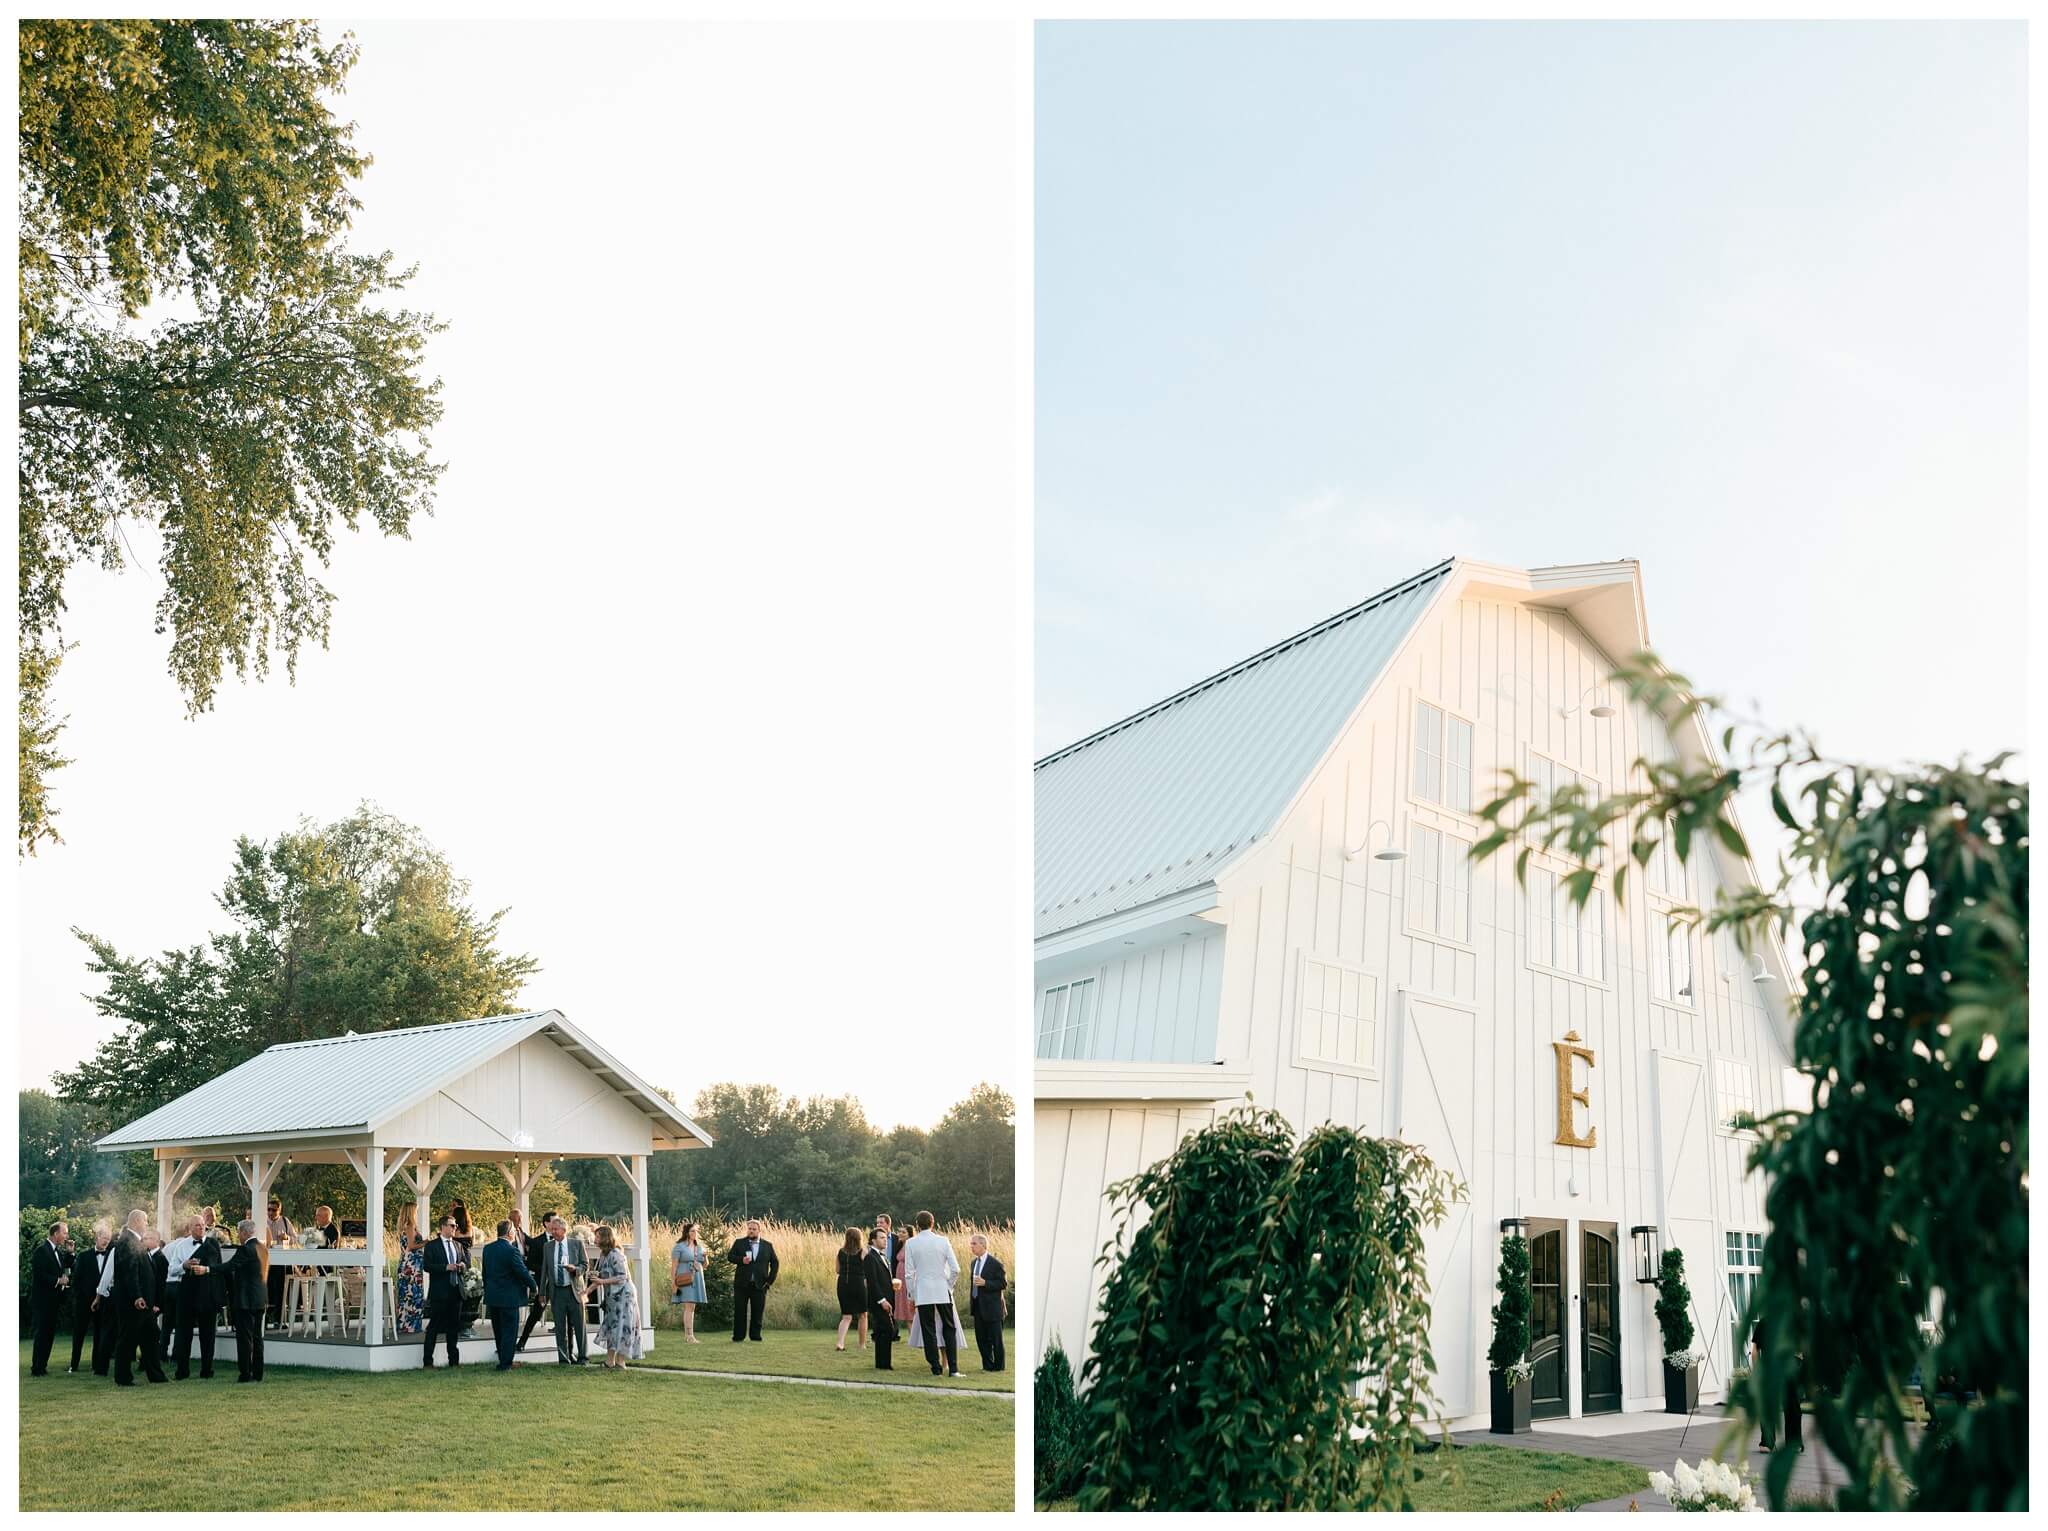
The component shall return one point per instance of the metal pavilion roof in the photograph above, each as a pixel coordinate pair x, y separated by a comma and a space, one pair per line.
1160, 802
352, 1083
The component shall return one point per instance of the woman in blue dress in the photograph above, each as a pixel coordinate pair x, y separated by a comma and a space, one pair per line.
686, 1277
620, 1329
411, 1286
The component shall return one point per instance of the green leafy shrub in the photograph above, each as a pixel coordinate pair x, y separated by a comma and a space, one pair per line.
1674, 1301
1267, 1283
1511, 1313
1059, 1427
1898, 1205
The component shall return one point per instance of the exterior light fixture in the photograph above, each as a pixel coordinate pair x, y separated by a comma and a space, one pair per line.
1644, 1237
1514, 1227
1389, 852
1599, 709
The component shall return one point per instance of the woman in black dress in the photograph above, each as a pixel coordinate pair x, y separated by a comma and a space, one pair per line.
880, 1281
853, 1288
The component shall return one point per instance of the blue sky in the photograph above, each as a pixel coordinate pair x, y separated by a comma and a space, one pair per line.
1318, 304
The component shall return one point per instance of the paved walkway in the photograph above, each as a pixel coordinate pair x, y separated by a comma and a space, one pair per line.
1657, 1448
871, 1387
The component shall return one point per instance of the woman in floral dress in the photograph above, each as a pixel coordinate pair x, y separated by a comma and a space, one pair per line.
411, 1286
620, 1329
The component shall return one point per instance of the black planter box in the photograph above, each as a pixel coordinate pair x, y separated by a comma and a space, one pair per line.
1510, 1404
1681, 1389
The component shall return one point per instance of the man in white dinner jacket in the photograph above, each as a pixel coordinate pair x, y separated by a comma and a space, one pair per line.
929, 1270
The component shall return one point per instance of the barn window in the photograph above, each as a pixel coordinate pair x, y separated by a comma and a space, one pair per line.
1667, 873
1735, 1084
1443, 758
1337, 1018
1439, 884
1671, 976
1066, 1020
1566, 937
1550, 778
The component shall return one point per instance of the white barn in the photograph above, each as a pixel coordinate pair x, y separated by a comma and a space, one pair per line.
515, 1091
1217, 915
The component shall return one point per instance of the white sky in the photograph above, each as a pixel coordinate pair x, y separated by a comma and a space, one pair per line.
704, 665
1319, 305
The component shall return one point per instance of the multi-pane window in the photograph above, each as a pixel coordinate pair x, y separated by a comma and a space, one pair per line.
1735, 1084
1569, 937
1336, 1021
1443, 758
1066, 1020
1667, 872
1745, 1261
1439, 884
1550, 778
1671, 974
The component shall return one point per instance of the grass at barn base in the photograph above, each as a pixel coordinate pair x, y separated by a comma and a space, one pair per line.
809, 1353
541, 1437
1509, 1478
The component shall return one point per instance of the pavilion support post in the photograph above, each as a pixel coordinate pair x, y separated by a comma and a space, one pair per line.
645, 1235
373, 1228
520, 1176
165, 1168
425, 1177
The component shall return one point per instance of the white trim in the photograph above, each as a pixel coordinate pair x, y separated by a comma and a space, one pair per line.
1192, 902
1068, 1079
1414, 697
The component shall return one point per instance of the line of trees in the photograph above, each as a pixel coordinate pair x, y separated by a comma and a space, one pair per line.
361, 925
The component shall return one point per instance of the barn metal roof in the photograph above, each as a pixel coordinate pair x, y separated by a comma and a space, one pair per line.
1162, 801
353, 1083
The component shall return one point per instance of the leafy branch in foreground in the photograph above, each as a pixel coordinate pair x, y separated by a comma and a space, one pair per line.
196, 165
1898, 1205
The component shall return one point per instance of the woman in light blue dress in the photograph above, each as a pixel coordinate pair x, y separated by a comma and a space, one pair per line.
686, 1266
620, 1329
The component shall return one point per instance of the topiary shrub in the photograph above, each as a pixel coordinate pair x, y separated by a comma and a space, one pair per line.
1264, 1335
1674, 1300
1059, 1427
1511, 1313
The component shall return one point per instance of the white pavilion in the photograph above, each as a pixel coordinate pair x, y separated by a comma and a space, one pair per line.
516, 1091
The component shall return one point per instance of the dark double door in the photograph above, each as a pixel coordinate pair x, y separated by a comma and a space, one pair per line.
1550, 1337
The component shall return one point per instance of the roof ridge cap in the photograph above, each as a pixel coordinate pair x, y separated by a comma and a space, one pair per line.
393, 1031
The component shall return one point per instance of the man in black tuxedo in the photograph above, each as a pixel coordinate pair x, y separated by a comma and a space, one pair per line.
445, 1261
48, 1279
135, 1304
531, 1247
248, 1297
89, 1315
985, 1301
757, 1269
198, 1301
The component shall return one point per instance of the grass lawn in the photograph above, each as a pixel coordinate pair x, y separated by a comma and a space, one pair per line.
809, 1353
540, 1437
1508, 1478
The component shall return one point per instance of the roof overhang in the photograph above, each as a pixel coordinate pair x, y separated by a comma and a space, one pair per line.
1186, 913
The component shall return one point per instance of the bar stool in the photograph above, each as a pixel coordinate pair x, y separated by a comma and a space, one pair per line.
390, 1309
326, 1287
298, 1301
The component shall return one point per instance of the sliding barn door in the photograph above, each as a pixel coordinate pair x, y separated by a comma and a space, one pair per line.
1434, 1109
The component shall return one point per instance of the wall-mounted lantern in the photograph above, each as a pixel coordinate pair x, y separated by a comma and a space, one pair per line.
1645, 1239
1514, 1227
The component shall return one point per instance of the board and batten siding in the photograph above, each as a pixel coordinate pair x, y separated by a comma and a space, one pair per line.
1156, 1004
533, 1092
1472, 1019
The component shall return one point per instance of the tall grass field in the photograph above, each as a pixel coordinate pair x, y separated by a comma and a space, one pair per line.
805, 1294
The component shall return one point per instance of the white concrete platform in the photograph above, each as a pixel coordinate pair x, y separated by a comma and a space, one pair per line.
1602, 1425
401, 1355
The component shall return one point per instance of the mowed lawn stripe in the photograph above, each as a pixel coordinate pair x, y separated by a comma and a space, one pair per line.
476, 1439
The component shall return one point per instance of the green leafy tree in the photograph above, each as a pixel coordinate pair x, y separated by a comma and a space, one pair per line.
1898, 1205
193, 169
58, 1164
1511, 1313
971, 1160
1674, 1303
359, 925
1255, 1284
1059, 1427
